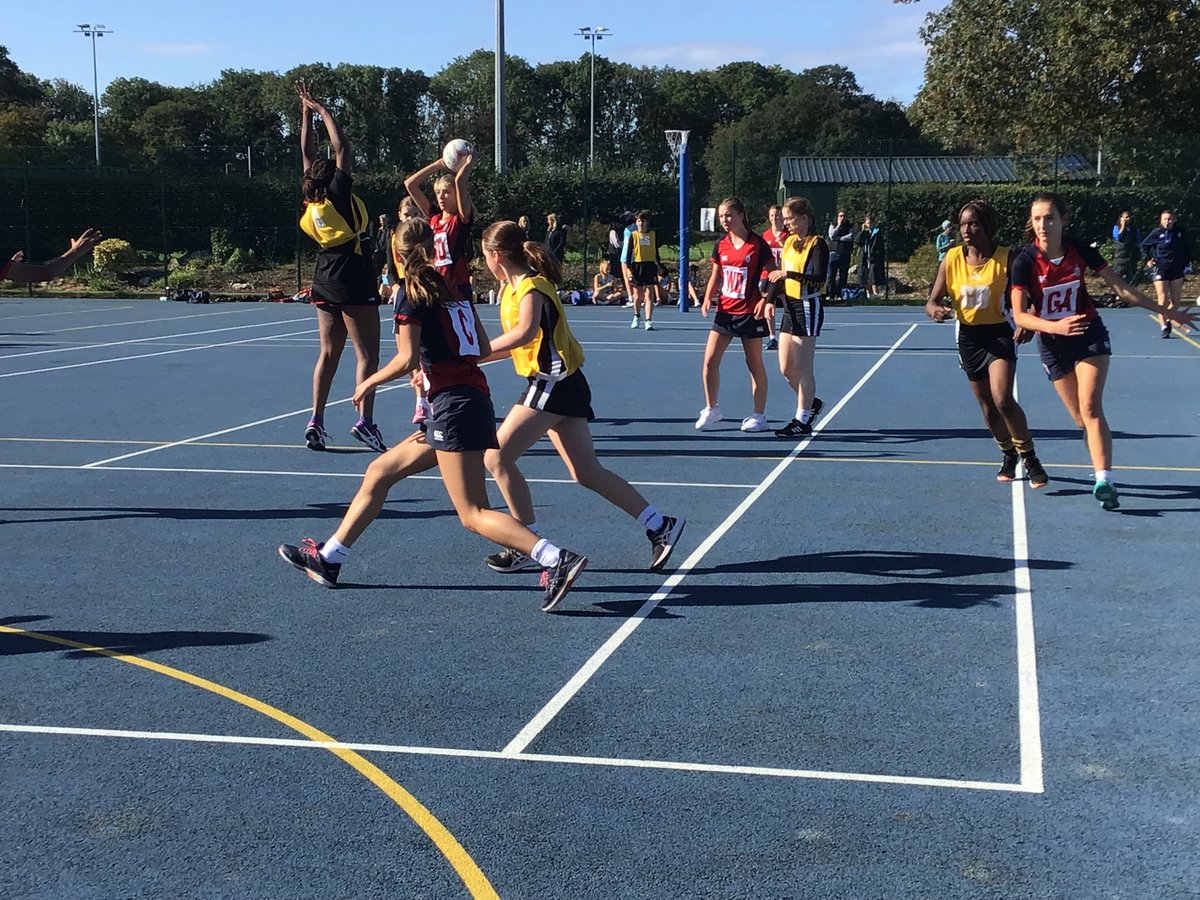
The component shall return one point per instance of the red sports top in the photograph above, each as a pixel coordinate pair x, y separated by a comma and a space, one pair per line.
740, 268
1057, 289
451, 250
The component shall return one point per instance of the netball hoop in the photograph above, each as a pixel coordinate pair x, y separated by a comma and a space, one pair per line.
677, 141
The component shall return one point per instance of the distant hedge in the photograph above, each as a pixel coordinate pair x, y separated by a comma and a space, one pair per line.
917, 211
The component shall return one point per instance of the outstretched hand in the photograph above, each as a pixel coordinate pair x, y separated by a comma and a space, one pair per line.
84, 242
1187, 317
304, 92
937, 312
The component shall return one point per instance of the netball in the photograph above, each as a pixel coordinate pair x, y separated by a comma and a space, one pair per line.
454, 153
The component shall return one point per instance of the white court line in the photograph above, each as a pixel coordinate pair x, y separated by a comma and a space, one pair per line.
65, 312
142, 340
611, 762
1028, 709
92, 467
547, 713
102, 362
224, 312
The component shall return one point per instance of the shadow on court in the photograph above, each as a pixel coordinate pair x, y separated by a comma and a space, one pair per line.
1162, 493
324, 511
918, 435
131, 643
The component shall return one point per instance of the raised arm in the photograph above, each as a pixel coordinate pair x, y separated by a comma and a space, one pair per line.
308, 141
19, 270
462, 187
413, 183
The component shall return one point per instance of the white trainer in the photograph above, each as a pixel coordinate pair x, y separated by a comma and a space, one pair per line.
649, 325
709, 417
755, 422
635, 323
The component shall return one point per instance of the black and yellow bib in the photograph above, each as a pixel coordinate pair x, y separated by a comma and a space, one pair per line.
324, 224
554, 353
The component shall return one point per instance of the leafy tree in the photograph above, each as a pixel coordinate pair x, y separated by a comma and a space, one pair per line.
1047, 76
16, 87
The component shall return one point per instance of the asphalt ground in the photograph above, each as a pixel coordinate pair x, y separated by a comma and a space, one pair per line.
870, 670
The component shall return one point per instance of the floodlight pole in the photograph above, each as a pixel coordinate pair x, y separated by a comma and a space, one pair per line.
588, 33
95, 31
501, 148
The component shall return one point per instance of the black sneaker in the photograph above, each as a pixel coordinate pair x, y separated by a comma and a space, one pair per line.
1166, 331
307, 558
794, 428
557, 580
1035, 470
662, 542
817, 406
509, 560
1008, 467
315, 436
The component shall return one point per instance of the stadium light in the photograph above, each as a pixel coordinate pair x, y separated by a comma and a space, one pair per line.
593, 34
95, 31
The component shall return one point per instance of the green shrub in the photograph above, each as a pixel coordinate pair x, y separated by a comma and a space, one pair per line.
114, 256
921, 268
241, 261
183, 278
221, 242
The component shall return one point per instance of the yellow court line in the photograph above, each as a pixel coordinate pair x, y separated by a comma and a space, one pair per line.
471, 875
1176, 332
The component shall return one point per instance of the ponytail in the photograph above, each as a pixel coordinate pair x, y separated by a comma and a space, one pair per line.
539, 258
423, 285
508, 239
317, 180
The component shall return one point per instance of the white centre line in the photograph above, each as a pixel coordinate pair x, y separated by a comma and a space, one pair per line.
543, 718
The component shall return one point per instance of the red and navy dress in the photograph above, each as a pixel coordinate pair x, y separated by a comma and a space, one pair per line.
452, 251
740, 269
1057, 290
463, 418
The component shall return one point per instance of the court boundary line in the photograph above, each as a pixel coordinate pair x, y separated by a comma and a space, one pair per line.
102, 362
567, 692
1175, 332
447, 844
57, 312
549, 758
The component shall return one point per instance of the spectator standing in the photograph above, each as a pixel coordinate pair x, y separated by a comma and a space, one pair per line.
1128, 249
871, 269
841, 248
944, 239
523, 222
381, 242
1168, 251
556, 237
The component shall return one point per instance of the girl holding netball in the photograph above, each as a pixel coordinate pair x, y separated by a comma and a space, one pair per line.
556, 401
740, 261
451, 220
1050, 297
344, 285
805, 261
974, 275
439, 332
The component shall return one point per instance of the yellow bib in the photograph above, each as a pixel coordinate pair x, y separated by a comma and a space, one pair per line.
977, 292
554, 353
325, 225
645, 246
794, 258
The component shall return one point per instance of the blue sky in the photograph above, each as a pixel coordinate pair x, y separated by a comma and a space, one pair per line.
190, 43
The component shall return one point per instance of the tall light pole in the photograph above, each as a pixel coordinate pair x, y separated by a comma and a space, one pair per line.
593, 34
95, 31
500, 125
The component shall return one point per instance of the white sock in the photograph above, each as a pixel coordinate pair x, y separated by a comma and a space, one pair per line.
803, 413
334, 551
650, 519
546, 554
1104, 475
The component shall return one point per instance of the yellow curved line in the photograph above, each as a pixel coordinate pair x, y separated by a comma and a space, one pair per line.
471, 875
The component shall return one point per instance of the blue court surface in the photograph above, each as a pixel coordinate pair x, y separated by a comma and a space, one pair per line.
869, 671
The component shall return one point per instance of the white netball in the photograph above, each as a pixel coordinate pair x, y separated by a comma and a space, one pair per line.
455, 152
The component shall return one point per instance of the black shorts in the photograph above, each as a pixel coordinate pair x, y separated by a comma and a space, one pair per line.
645, 274
462, 420
743, 326
803, 318
1061, 352
1158, 273
981, 345
570, 397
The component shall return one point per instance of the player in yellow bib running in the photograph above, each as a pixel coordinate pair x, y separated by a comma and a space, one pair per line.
975, 277
557, 400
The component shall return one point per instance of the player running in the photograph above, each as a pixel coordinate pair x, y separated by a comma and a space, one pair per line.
974, 276
441, 334
557, 400
1050, 297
